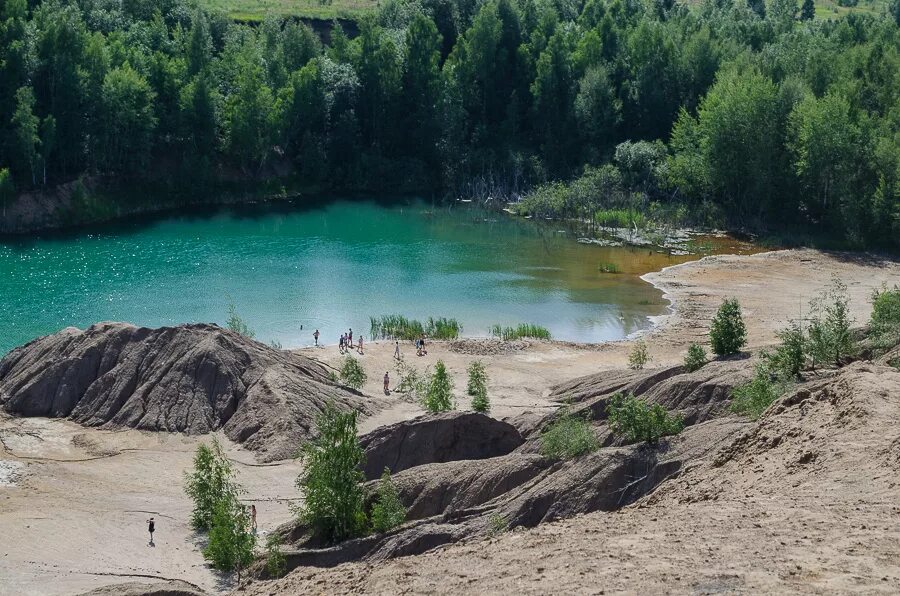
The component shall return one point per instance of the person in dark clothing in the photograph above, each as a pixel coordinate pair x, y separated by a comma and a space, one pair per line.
316, 337
151, 526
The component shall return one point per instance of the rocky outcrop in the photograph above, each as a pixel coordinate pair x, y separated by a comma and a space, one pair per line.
191, 378
436, 438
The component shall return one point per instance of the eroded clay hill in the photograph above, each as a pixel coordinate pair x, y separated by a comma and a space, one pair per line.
804, 500
191, 378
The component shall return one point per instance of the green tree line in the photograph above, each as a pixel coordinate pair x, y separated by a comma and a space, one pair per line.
752, 112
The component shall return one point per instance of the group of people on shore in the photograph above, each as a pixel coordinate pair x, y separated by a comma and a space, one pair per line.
345, 345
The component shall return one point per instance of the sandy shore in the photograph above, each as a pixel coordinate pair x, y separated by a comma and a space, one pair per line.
73, 501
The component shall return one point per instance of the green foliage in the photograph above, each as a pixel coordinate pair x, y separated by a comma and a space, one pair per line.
884, 325
399, 327
477, 387
609, 268
789, 358
695, 358
728, 333
637, 420
237, 324
210, 482
275, 560
412, 384
231, 540
498, 524
754, 397
639, 355
522, 330
387, 512
7, 190
439, 393
331, 480
352, 373
567, 437
829, 329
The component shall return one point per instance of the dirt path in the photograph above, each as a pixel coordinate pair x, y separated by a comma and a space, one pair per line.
73, 501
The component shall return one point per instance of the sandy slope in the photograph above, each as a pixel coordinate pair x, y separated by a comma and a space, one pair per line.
66, 525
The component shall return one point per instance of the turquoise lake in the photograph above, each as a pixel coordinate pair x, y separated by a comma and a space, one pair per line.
328, 266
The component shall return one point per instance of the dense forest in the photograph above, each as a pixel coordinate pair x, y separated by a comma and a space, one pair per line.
727, 112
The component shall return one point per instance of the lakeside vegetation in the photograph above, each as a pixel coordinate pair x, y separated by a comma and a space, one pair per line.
727, 113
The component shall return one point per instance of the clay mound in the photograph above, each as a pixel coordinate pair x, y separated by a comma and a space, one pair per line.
436, 439
191, 378
172, 587
698, 396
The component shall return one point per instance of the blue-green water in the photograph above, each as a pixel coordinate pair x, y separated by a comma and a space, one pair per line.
328, 267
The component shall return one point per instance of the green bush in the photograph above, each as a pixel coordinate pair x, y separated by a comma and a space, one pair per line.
275, 560
728, 333
439, 394
210, 481
754, 397
695, 358
790, 357
477, 387
829, 330
411, 382
388, 512
400, 327
498, 524
637, 420
520, 331
884, 326
237, 324
331, 481
568, 436
639, 355
352, 373
231, 541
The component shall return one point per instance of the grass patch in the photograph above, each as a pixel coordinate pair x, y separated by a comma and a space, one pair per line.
608, 268
522, 330
257, 10
567, 437
637, 420
754, 397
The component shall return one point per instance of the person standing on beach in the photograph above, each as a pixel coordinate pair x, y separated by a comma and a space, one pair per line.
316, 337
359, 347
350, 338
151, 526
253, 517
387, 383
397, 350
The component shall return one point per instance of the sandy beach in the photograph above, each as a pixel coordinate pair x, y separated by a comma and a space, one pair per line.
74, 501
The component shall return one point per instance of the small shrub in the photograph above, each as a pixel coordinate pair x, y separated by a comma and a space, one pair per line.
829, 330
637, 420
276, 564
210, 481
567, 437
884, 326
754, 397
695, 358
639, 355
498, 524
477, 387
237, 324
331, 481
352, 373
790, 357
388, 512
275, 345
439, 394
231, 541
411, 382
728, 333
608, 268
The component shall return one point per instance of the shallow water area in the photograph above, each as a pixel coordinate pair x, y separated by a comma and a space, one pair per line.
289, 270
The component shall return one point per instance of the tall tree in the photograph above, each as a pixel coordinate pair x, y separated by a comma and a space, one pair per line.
128, 120
421, 86
808, 10
27, 139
